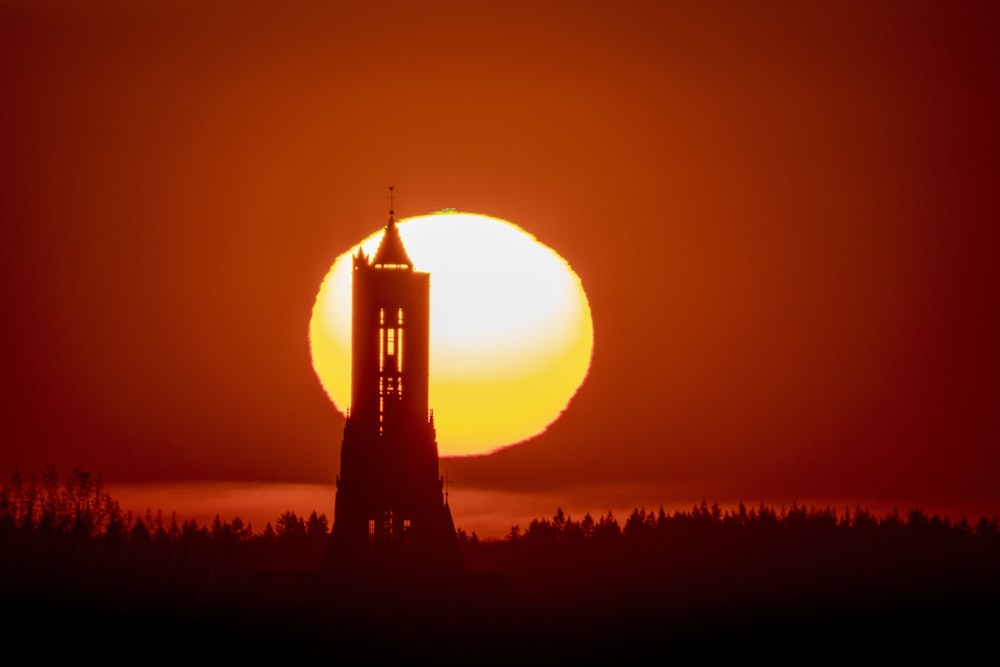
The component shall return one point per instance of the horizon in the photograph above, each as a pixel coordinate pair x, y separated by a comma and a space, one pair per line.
490, 514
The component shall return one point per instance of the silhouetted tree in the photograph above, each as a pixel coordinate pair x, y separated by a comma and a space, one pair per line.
220, 529
268, 535
559, 522
662, 521
607, 529
139, 533
572, 533
465, 538
540, 531
317, 527
242, 531
290, 527
174, 529
988, 528
639, 527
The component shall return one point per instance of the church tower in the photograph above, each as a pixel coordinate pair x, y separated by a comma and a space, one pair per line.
391, 511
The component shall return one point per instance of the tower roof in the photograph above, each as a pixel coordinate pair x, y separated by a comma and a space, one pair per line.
391, 252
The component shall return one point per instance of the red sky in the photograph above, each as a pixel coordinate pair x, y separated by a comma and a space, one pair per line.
785, 218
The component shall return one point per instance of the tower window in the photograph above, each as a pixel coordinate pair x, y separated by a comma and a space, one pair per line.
387, 526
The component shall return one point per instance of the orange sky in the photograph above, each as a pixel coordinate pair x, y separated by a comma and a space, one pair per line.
785, 218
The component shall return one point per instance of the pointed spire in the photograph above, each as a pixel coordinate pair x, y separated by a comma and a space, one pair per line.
360, 258
391, 251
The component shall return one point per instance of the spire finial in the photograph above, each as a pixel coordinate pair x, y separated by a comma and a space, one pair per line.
391, 202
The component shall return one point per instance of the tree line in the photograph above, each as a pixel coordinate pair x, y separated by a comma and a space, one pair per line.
71, 541
68, 545
81, 507
643, 526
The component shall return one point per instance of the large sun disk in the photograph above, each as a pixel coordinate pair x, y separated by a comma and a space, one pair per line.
511, 332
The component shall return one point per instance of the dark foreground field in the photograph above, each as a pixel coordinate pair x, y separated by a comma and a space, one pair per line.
797, 583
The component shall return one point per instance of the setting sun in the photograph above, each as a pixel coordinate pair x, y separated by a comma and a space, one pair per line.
511, 333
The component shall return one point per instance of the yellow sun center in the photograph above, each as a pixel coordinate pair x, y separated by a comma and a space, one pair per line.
510, 327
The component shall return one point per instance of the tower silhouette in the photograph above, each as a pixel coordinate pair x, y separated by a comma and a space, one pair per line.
391, 511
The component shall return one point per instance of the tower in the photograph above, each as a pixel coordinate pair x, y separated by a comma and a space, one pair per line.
391, 512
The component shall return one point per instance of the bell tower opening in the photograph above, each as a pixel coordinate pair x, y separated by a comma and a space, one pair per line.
390, 361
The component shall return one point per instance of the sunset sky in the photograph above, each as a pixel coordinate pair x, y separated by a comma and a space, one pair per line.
786, 220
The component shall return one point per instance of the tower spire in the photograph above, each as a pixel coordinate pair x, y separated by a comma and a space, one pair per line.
391, 253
